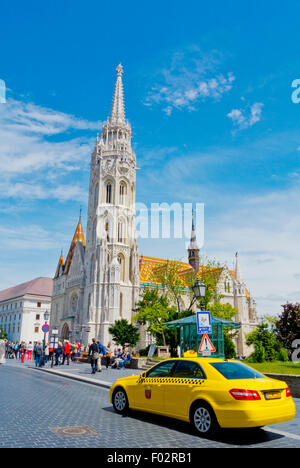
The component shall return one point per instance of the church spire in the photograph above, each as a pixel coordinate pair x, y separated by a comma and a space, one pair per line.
237, 275
117, 115
193, 249
78, 237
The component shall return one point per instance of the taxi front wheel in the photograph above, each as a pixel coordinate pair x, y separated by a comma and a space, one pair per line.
120, 401
203, 419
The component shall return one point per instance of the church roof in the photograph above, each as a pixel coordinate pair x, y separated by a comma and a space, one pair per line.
78, 237
37, 287
151, 267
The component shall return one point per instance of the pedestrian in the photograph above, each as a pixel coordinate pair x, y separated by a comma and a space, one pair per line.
58, 353
46, 352
67, 351
29, 351
73, 351
94, 355
16, 349
2, 351
102, 352
108, 354
38, 355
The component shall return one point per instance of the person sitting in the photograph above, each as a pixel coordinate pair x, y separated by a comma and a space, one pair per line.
116, 359
126, 358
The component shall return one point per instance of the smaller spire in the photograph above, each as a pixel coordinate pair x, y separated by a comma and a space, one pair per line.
193, 249
238, 275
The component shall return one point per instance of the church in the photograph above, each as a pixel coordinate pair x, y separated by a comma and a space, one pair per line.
101, 278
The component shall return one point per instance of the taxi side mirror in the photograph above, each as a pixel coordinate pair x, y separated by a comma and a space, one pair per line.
143, 375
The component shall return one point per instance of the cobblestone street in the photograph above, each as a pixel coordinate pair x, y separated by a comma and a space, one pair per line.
34, 403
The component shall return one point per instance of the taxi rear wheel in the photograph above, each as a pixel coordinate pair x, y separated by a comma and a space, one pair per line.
203, 419
120, 401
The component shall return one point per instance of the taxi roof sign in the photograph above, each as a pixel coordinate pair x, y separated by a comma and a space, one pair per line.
206, 344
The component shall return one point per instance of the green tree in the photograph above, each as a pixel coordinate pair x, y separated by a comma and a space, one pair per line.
2, 334
153, 310
124, 333
287, 327
264, 337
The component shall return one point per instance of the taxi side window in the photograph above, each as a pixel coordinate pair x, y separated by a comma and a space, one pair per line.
161, 370
188, 370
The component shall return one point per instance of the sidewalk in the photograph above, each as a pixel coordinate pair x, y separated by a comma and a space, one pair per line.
79, 371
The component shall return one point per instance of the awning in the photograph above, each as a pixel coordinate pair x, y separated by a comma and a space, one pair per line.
192, 320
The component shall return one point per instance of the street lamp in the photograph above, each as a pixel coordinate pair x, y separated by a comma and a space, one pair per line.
46, 318
199, 289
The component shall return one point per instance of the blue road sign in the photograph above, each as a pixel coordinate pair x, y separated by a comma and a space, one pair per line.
203, 323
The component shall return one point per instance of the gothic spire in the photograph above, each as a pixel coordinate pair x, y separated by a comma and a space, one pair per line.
117, 115
193, 249
237, 275
193, 242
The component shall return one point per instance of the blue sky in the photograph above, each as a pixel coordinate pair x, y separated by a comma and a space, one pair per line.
208, 94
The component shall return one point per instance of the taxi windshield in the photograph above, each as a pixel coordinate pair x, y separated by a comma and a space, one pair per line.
236, 370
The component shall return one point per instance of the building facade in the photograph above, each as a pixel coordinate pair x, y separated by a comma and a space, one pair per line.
22, 309
103, 275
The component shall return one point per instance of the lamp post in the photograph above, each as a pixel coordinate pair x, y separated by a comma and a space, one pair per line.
199, 289
46, 318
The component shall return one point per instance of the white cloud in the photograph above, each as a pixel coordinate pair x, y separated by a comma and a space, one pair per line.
247, 117
37, 148
190, 78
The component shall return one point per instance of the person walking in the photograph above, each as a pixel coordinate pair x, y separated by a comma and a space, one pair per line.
2, 351
94, 355
108, 354
67, 351
16, 349
46, 352
102, 352
58, 353
29, 351
38, 355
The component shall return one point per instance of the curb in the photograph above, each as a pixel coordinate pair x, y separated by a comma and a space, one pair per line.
98, 383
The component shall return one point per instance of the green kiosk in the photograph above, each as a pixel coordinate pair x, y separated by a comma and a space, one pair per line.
190, 339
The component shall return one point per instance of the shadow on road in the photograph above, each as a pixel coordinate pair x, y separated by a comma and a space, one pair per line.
241, 437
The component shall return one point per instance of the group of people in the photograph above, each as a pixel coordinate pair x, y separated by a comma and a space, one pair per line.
97, 351
41, 353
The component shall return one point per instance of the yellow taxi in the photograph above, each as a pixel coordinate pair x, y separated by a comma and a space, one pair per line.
209, 393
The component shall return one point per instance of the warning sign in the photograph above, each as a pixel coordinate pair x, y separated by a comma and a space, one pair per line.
206, 345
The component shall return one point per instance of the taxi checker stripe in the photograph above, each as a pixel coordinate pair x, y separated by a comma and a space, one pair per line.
172, 380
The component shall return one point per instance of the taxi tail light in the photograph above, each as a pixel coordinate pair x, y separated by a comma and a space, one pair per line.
240, 394
288, 392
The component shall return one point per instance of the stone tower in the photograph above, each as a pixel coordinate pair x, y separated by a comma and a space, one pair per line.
111, 255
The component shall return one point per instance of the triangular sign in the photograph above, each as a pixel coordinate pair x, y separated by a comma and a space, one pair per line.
206, 344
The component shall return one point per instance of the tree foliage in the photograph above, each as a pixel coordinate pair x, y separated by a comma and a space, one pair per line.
153, 310
124, 333
266, 345
287, 327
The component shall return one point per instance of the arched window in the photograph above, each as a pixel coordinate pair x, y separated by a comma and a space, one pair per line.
121, 305
109, 192
121, 260
123, 193
121, 231
96, 196
106, 227
92, 269
94, 234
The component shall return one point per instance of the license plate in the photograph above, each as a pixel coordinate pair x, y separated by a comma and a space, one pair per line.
272, 395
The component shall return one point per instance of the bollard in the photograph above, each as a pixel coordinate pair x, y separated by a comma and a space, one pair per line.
22, 356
